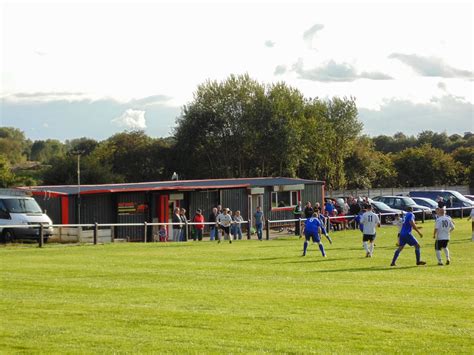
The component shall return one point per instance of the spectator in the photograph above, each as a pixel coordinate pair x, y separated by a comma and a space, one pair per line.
329, 208
184, 229
297, 213
238, 225
308, 210
317, 207
198, 218
354, 210
259, 222
176, 227
213, 227
441, 202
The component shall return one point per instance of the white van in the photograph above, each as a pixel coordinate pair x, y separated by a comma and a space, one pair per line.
22, 210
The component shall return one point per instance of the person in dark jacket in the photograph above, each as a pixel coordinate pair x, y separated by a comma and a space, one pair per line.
212, 227
297, 214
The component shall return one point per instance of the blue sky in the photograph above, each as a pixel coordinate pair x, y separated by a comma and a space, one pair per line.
95, 68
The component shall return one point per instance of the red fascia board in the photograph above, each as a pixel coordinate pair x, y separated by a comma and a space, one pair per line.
167, 188
48, 193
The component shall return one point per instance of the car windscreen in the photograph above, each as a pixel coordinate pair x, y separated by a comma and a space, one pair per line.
460, 197
381, 205
426, 202
409, 201
22, 205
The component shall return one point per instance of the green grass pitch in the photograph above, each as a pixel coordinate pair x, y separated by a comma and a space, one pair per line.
250, 296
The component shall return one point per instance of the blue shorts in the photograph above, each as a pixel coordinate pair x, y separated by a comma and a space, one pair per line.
408, 239
315, 236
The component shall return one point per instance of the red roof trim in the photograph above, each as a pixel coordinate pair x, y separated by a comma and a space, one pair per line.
167, 188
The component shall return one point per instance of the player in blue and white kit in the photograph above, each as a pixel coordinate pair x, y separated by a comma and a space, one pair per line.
312, 228
443, 227
407, 238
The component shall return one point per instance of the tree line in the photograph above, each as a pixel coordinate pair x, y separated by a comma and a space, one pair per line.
242, 128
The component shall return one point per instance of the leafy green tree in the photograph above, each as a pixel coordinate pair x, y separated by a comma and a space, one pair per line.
367, 168
219, 133
84, 145
133, 156
14, 145
44, 151
341, 114
427, 166
7, 178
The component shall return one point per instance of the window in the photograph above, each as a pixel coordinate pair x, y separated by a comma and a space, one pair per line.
284, 199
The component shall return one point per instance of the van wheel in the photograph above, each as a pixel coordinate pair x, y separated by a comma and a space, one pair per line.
7, 236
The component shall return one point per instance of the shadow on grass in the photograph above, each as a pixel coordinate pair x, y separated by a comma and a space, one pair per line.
265, 259
372, 268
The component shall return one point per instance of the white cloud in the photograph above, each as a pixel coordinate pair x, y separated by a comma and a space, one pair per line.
131, 119
269, 44
431, 66
308, 35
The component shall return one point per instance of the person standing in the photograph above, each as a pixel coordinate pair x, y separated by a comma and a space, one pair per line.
406, 237
443, 227
308, 210
213, 227
369, 221
297, 213
329, 208
259, 222
312, 230
178, 226
199, 219
354, 210
238, 225
184, 229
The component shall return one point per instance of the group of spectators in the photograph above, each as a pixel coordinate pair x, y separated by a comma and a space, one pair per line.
333, 212
223, 223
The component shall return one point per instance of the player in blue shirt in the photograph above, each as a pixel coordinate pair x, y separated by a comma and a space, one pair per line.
323, 221
311, 230
407, 238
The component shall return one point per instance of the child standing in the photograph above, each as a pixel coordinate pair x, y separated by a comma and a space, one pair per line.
163, 235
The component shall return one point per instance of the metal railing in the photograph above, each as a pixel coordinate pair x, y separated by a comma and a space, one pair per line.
188, 224
97, 226
345, 218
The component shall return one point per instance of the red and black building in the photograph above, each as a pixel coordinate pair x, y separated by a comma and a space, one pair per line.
155, 201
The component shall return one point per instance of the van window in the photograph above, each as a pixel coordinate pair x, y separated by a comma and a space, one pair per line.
21, 205
3, 208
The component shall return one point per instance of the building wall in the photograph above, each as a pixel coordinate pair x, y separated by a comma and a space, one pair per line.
52, 206
204, 200
313, 193
235, 199
98, 208
132, 233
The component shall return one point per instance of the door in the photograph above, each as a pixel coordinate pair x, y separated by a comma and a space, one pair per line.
254, 202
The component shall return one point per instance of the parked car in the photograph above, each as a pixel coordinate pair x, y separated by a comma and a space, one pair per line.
22, 210
458, 200
402, 203
470, 197
380, 207
427, 202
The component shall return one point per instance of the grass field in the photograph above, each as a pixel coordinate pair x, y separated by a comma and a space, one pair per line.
246, 297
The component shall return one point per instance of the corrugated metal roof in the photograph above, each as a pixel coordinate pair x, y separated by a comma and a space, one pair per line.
181, 185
